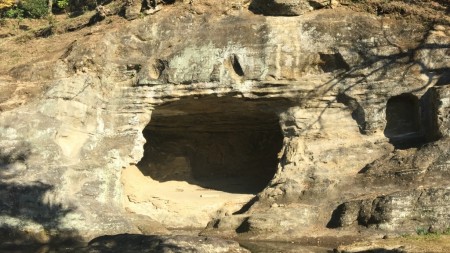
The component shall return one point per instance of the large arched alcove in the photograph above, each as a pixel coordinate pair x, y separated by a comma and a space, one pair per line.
204, 156
225, 144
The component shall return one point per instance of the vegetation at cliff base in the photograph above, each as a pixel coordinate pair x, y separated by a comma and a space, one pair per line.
26, 8
43, 8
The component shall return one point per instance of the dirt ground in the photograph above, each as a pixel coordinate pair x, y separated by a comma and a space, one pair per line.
180, 199
410, 244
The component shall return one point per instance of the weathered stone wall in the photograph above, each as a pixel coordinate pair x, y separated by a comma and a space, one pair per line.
335, 70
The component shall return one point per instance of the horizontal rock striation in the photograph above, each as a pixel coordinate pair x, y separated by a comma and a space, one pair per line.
319, 85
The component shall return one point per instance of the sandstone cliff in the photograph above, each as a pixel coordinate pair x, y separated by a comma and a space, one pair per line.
334, 123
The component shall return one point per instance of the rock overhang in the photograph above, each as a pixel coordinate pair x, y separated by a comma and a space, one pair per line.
308, 61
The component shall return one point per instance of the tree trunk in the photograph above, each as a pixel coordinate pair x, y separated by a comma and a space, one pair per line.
50, 6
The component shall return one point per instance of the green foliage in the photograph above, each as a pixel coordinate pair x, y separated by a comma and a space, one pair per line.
40, 8
14, 12
425, 232
81, 5
35, 8
422, 231
447, 231
62, 4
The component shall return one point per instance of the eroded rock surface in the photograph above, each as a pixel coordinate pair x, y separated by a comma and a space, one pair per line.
243, 125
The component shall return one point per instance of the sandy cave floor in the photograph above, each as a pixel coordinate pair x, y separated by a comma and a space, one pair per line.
177, 203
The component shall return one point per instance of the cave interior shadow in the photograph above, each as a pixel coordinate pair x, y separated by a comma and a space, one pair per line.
224, 144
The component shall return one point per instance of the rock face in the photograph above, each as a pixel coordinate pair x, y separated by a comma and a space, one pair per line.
275, 128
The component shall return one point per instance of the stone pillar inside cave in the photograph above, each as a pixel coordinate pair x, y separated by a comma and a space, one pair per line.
226, 144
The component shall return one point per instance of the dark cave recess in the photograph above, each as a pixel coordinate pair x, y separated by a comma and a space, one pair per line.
410, 121
226, 144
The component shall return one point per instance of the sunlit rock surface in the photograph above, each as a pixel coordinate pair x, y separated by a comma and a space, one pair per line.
276, 128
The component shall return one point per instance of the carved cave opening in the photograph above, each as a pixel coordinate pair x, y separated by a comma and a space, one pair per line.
403, 121
225, 144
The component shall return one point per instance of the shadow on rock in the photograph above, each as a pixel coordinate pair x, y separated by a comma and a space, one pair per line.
29, 220
13, 160
380, 250
149, 243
